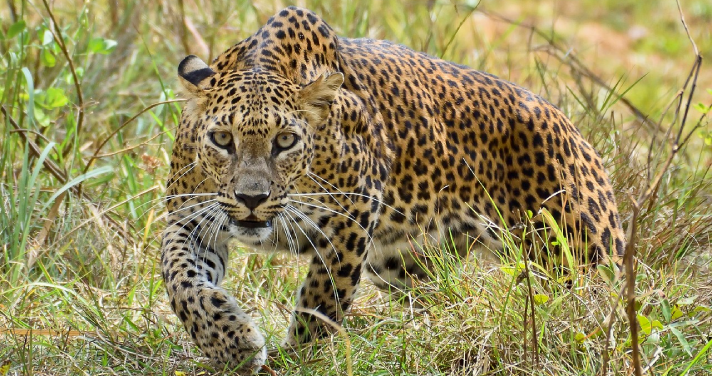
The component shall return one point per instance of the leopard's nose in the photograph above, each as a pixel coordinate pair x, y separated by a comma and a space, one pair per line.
252, 201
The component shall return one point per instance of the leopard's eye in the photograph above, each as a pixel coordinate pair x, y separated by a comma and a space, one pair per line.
222, 139
285, 141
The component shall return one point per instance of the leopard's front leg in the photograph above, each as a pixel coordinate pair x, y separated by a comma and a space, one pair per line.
332, 280
193, 268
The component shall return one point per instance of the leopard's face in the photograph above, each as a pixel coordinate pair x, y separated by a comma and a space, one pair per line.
255, 138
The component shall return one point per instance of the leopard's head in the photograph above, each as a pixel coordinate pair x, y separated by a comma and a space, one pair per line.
254, 135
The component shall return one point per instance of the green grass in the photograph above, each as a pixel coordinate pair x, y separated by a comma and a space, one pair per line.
81, 294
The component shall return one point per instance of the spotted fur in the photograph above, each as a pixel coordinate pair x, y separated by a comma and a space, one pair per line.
353, 152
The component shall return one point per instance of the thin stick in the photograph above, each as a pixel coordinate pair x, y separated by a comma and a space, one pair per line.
629, 258
57, 34
530, 298
106, 140
629, 262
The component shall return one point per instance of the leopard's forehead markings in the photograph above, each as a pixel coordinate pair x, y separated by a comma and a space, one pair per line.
252, 100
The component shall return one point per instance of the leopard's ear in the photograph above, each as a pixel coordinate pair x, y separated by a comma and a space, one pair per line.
194, 74
318, 95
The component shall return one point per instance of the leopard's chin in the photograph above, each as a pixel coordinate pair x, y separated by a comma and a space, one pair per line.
251, 231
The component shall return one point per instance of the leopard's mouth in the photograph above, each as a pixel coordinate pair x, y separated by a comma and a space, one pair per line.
251, 222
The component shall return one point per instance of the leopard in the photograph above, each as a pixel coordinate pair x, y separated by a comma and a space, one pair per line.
353, 154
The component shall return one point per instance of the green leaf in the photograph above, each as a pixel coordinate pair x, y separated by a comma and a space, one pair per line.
16, 28
514, 269
579, 337
655, 324
101, 46
47, 58
56, 97
645, 325
676, 313
540, 299
700, 309
687, 301
681, 338
52, 98
665, 305
69, 79
607, 272
41, 117
31, 91
701, 107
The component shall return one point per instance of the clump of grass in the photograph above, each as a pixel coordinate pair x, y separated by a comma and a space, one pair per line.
82, 177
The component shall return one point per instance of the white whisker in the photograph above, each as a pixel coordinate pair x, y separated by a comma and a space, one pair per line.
328, 271
309, 221
347, 194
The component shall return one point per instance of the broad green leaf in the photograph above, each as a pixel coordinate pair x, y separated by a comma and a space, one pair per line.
681, 338
513, 270
540, 299
655, 324
56, 97
579, 337
700, 309
109, 45
52, 98
676, 313
701, 107
16, 28
47, 58
665, 306
101, 46
645, 324
40, 116
687, 301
